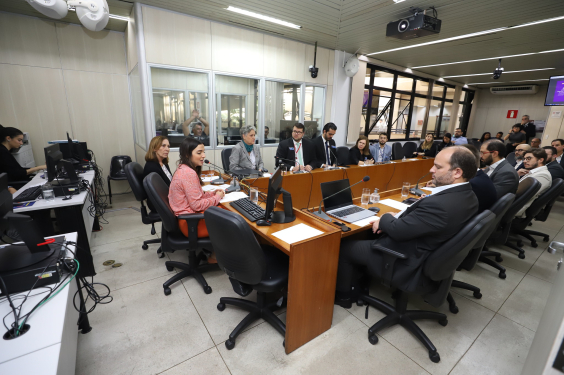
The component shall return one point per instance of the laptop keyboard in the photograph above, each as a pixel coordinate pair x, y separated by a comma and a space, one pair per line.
347, 211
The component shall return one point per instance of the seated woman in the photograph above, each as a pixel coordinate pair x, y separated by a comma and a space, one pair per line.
246, 154
11, 139
446, 142
360, 154
156, 159
485, 137
427, 147
185, 194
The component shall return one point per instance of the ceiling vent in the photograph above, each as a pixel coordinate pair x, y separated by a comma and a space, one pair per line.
515, 90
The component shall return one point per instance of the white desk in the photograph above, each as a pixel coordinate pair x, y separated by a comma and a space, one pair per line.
49, 347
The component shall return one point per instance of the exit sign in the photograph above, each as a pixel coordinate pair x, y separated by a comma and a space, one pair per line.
512, 113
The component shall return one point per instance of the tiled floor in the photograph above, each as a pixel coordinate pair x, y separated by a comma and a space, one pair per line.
145, 332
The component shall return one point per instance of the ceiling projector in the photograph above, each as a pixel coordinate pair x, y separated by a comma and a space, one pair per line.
93, 14
414, 27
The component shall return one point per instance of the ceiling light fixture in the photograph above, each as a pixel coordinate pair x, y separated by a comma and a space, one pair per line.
486, 74
263, 17
398, 1
526, 80
471, 35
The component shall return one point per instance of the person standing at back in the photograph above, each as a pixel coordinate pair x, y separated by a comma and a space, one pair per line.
325, 146
381, 151
558, 144
528, 127
502, 174
515, 138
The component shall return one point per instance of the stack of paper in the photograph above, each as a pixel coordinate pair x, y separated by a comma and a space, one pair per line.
395, 204
297, 233
233, 196
209, 179
215, 187
365, 222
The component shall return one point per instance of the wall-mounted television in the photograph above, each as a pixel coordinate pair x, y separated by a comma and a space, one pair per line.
555, 91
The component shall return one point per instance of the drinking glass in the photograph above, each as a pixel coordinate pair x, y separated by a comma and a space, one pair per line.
365, 196
405, 190
47, 191
253, 195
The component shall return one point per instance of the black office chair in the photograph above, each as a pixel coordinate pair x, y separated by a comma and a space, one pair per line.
433, 283
173, 239
526, 190
134, 174
498, 209
397, 151
117, 171
249, 267
476, 143
343, 155
409, 148
542, 204
225, 154
511, 158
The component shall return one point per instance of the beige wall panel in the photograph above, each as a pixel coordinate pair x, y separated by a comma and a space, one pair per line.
268, 154
28, 41
554, 128
100, 51
33, 100
175, 39
173, 157
140, 155
284, 59
328, 101
237, 50
131, 41
322, 63
331, 71
101, 115
355, 108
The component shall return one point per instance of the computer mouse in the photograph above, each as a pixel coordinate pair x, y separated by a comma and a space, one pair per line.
263, 223
374, 209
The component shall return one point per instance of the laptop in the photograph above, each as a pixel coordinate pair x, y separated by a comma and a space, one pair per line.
341, 206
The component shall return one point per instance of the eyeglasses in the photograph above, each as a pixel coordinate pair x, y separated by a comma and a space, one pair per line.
297, 132
528, 158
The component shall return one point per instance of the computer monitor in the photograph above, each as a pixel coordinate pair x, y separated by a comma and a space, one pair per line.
77, 150
274, 190
555, 91
53, 155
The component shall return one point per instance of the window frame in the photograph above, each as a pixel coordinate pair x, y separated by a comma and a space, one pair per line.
443, 100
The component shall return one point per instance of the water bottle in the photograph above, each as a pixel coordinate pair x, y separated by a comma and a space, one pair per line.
375, 197
404, 159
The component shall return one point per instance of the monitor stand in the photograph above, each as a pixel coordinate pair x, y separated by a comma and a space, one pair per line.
286, 216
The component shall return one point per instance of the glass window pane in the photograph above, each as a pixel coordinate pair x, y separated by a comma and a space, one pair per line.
434, 112
418, 117
379, 112
236, 106
421, 87
383, 79
364, 111
402, 103
137, 108
313, 111
449, 93
438, 90
180, 104
404, 84
367, 76
282, 106
445, 120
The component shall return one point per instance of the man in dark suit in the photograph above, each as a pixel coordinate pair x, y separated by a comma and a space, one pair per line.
519, 152
528, 127
417, 232
325, 147
502, 174
297, 149
555, 169
558, 144
482, 185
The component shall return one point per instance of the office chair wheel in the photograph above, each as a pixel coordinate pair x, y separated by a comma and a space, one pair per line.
477, 295
169, 268
534, 244
373, 339
167, 291
522, 255
207, 289
230, 344
161, 255
502, 275
453, 309
520, 243
545, 239
444, 321
434, 357
221, 306
145, 247
360, 302
498, 258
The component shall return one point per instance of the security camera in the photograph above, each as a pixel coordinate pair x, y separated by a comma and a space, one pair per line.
497, 72
313, 70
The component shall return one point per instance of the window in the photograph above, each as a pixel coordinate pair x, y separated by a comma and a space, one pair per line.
464, 109
180, 105
313, 110
441, 109
236, 106
137, 107
282, 110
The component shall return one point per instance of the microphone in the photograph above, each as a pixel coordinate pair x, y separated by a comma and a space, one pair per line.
220, 180
416, 190
337, 160
322, 215
291, 161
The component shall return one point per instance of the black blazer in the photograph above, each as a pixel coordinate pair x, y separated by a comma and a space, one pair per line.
319, 145
423, 228
432, 152
555, 169
10, 166
153, 166
484, 189
355, 156
443, 145
286, 151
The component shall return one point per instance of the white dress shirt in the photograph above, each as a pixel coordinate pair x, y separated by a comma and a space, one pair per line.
298, 149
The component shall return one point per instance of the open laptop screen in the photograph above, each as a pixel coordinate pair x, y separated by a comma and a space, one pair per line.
340, 200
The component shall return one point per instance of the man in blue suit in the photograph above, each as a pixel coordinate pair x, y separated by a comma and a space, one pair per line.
381, 151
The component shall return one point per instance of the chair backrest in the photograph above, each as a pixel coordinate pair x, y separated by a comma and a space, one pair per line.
511, 158
225, 154
545, 211
134, 174
343, 155
409, 148
397, 151
236, 248
157, 192
526, 190
117, 166
476, 143
545, 199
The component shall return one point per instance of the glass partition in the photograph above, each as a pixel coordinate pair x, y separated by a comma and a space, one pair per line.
282, 110
313, 111
418, 117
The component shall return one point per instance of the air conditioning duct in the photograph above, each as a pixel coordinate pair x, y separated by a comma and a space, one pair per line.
515, 90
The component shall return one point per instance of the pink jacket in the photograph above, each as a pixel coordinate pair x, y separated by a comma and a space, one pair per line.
185, 194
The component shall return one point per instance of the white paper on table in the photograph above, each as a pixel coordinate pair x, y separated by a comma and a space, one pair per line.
266, 174
413, 159
215, 187
395, 204
209, 179
366, 221
297, 233
429, 189
233, 196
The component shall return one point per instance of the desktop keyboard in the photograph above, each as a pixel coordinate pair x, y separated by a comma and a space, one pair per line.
29, 194
248, 209
348, 211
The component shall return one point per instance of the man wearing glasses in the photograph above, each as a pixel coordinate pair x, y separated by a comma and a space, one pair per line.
519, 155
535, 167
502, 174
297, 152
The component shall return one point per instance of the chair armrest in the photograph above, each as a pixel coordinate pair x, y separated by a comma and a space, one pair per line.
191, 217
389, 256
192, 220
389, 252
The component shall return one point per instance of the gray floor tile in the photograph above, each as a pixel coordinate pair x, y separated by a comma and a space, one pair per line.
545, 266
500, 349
512, 260
526, 304
206, 363
341, 350
142, 332
122, 227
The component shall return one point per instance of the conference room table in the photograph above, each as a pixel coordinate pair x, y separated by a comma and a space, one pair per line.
314, 261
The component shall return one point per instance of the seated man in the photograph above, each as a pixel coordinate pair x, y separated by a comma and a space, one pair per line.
188, 125
535, 168
481, 184
381, 151
458, 138
296, 152
555, 169
502, 174
421, 229
198, 133
519, 153
535, 143
325, 146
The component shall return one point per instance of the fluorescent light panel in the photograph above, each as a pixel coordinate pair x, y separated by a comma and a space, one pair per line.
263, 17
471, 35
486, 74
526, 80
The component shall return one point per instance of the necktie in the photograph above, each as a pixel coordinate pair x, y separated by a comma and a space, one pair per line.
328, 156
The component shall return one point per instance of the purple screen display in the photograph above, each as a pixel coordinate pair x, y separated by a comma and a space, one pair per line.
559, 92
